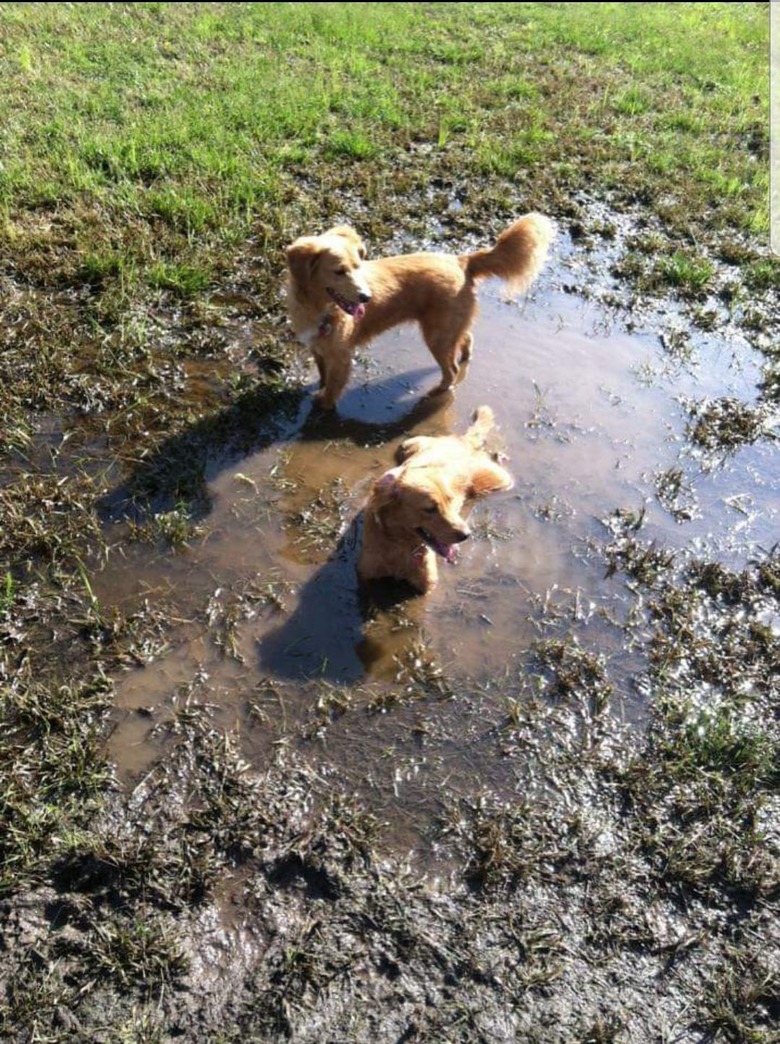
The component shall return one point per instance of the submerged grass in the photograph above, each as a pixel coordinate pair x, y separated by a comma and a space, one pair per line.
154, 161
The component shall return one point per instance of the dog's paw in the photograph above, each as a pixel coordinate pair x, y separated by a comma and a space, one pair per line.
466, 348
323, 401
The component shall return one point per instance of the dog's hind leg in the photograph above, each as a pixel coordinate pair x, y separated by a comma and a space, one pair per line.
450, 342
443, 345
445, 352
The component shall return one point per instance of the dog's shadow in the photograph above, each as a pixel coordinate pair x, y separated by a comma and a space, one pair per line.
179, 469
342, 630
377, 413
338, 631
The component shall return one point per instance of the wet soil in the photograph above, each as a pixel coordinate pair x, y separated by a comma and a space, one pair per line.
533, 805
275, 636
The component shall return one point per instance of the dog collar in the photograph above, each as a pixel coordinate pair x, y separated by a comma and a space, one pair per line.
325, 329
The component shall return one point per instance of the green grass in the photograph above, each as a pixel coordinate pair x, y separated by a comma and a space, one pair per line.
183, 280
689, 273
200, 114
7, 596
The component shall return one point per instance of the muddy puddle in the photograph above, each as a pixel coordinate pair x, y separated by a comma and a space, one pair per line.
272, 635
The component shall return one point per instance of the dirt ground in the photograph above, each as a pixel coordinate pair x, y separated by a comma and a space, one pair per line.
609, 873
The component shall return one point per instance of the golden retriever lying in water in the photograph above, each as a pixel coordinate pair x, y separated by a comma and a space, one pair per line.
414, 512
337, 300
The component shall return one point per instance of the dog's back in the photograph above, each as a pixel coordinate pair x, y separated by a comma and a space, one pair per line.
338, 300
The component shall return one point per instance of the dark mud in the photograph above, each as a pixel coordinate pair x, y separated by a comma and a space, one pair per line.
536, 805
540, 804
591, 418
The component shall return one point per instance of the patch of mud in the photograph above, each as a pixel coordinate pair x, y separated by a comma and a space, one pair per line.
540, 804
401, 699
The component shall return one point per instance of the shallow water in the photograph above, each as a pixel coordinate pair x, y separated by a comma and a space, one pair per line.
272, 631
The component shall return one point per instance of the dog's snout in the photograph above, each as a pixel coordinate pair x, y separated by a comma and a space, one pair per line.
461, 535
364, 298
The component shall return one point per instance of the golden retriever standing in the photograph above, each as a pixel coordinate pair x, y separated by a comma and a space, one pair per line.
414, 512
337, 300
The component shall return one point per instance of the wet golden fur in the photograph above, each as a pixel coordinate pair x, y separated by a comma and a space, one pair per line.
436, 290
418, 505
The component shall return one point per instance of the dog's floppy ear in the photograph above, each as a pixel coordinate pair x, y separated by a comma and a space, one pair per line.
347, 232
302, 259
489, 477
386, 490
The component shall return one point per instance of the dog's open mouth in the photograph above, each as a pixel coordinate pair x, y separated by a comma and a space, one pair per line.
353, 308
448, 552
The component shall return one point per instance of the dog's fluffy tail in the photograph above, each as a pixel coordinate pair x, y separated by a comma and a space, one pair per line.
518, 255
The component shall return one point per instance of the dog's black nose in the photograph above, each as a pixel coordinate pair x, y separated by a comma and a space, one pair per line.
364, 298
460, 536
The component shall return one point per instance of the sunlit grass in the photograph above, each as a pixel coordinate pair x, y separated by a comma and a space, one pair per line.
200, 115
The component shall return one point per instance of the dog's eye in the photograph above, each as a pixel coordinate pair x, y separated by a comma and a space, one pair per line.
341, 271
430, 510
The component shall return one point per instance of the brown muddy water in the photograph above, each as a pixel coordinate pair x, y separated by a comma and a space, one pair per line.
269, 628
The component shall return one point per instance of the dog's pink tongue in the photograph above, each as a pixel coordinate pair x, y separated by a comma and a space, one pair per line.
452, 554
360, 311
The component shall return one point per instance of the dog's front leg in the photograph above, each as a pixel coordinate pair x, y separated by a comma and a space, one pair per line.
320, 367
337, 365
425, 575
